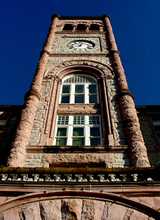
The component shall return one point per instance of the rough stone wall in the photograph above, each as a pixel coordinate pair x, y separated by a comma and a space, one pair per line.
54, 65
118, 129
40, 118
46, 160
59, 47
72, 209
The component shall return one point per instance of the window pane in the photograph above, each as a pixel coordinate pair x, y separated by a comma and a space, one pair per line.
93, 120
61, 131
78, 142
66, 89
76, 78
157, 127
92, 88
78, 131
79, 88
61, 141
94, 132
92, 99
78, 120
65, 99
79, 98
63, 120
95, 141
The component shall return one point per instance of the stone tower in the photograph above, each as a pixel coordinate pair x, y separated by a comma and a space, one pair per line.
79, 97
78, 145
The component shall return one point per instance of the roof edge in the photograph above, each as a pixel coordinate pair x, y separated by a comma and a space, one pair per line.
61, 17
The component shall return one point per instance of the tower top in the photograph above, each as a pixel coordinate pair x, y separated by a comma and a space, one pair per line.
61, 17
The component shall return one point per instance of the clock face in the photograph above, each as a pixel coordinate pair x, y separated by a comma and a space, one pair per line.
81, 45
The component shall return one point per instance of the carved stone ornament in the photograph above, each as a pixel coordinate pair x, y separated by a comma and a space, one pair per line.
60, 70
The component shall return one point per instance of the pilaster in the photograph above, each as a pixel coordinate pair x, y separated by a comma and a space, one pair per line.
139, 156
18, 148
107, 108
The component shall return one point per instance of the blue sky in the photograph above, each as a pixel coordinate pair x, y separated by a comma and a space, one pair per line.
24, 25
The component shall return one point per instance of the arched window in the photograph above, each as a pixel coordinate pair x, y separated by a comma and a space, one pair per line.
94, 27
78, 128
68, 27
79, 89
81, 27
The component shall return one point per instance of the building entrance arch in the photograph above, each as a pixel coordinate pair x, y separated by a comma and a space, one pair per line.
99, 196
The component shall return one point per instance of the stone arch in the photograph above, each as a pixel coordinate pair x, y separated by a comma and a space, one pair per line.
59, 71
99, 196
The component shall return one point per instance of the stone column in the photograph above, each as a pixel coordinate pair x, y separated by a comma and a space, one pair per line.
52, 111
18, 148
137, 146
107, 112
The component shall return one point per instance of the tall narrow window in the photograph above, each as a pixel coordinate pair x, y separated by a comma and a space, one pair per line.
65, 94
79, 93
94, 123
81, 27
68, 27
62, 127
94, 27
92, 93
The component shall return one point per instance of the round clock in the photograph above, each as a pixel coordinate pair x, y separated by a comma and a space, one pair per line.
81, 45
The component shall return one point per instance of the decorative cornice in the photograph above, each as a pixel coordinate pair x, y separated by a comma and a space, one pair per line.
80, 176
80, 17
51, 76
81, 33
76, 54
26, 170
61, 69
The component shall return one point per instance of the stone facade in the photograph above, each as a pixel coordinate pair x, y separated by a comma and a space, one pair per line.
119, 159
62, 58
73, 209
112, 180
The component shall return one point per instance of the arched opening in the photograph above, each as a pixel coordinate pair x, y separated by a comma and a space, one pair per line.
76, 127
117, 199
79, 89
81, 27
86, 102
68, 27
94, 27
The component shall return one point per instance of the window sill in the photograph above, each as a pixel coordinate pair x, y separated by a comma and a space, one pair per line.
78, 108
75, 149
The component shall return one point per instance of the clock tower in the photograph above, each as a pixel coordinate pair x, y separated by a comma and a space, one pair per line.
79, 102
78, 148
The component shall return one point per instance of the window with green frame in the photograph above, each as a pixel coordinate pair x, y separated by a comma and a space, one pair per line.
78, 130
